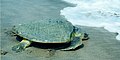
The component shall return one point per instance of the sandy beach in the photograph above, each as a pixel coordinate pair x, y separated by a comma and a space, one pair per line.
102, 44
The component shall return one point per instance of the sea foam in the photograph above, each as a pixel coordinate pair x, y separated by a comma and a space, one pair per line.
95, 13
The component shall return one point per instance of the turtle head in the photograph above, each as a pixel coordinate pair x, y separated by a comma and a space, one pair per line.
86, 37
78, 33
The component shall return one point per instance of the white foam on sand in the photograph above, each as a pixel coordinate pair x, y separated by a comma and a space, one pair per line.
95, 13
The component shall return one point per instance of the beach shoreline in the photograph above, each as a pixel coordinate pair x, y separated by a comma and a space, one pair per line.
102, 44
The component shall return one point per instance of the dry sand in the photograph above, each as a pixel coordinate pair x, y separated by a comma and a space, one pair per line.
102, 44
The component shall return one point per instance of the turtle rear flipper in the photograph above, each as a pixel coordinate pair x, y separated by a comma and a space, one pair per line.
76, 42
21, 46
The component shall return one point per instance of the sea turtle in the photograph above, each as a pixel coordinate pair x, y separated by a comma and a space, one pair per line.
48, 31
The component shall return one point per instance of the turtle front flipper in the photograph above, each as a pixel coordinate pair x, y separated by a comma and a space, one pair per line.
21, 46
77, 41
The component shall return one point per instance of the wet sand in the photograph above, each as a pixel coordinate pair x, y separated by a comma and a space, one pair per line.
102, 44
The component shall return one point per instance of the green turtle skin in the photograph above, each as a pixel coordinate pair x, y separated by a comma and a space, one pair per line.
49, 31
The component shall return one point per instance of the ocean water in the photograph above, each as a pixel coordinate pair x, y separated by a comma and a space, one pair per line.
95, 13
23, 11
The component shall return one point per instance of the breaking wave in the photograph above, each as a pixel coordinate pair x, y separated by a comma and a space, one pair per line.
95, 13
